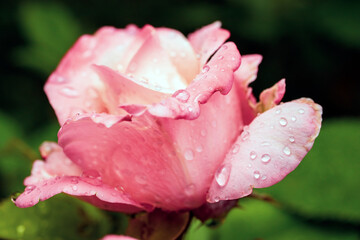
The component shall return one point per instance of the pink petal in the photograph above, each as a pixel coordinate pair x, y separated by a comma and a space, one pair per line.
180, 51
270, 148
247, 72
217, 75
117, 237
152, 64
135, 155
58, 174
207, 40
74, 87
271, 97
122, 90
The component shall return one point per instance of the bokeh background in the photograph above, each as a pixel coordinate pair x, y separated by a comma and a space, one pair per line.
315, 45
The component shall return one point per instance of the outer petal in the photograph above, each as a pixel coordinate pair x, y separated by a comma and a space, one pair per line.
132, 155
117, 237
73, 87
217, 75
271, 97
58, 174
180, 51
207, 40
270, 148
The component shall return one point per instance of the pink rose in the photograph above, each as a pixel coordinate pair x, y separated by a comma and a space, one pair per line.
151, 119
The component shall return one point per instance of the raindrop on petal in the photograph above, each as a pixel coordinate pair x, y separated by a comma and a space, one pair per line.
278, 111
222, 175
265, 143
252, 155
256, 174
205, 69
182, 95
29, 189
283, 122
69, 92
292, 139
265, 158
301, 111
235, 149
199, 148
189, 155
221, 57
75, 188
293, 118
287, 151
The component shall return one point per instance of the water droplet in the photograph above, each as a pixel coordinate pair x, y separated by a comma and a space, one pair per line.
301, 111
235, 149
222, 70
182, 95
120, 67
69, 92
190, 189
203, 132
199, 148
75, 188
74, 180
283, 122
217, 199
222, 175
190, 109
205, 69
292, 139
249, 165
141, 179
221, 57
265, 158
233, 58
57, 79
293, 118
286, 150
256, 174
245, 134
252, 155
278, 111
263, 177
189, 155
29, 189
225, 47
265, 143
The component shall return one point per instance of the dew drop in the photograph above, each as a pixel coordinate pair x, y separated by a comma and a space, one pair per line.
301, 111
189, 155
222, 175
265, 158
235, 149
29, 189
265, 143
205, 69
233, 58
283, 122
291, 139
69, 92
221, 57
199, 148
252, 155
286, 150
263, 177
278, 111
217, 199
256, 174
293, 119
203, 132
190, 189
75, 188
245, 134
74, 180
182, 95
249, 165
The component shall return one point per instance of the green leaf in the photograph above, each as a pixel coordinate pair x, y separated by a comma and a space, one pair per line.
50, 30
60, 217
326, 183
258, 219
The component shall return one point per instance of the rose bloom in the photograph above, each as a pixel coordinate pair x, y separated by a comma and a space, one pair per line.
152, 119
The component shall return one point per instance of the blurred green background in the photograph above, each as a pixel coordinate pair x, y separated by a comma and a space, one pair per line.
315, 45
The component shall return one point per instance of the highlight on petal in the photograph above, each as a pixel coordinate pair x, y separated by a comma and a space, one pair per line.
248, 70
59, 174
117, 237
207, 40
271, 97
267, 150
217, 75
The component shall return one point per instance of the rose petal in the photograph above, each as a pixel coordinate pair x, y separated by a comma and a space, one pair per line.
58, 174
207, 40
151, 63
135, 155
117, 237
271, 97
270, 148
122, 90
73, 87
217, 75
180, 51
